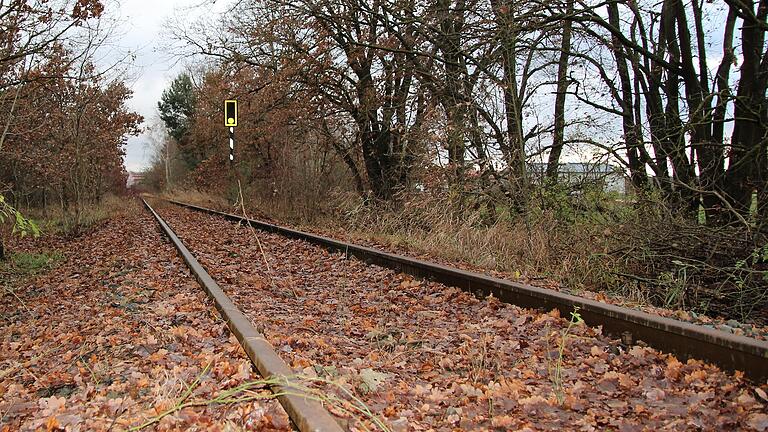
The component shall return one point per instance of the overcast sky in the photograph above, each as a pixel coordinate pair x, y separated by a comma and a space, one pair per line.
141, 30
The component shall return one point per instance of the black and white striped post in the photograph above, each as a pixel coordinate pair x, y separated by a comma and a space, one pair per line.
230, 120
231, 144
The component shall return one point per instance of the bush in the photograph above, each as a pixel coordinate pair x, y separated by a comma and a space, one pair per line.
681, 263
54, 219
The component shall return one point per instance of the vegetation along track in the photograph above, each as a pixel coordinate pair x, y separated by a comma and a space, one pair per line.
420, 355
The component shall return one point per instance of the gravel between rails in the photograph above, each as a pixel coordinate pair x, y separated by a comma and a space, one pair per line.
112, 336
424, 356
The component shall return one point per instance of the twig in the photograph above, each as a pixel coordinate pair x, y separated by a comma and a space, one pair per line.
307, 329
24, 305
180, 405
117, 416
226, 397
25, 364
241, 200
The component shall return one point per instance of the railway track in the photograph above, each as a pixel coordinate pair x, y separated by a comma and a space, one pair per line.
684, 340
445, 357
307, 414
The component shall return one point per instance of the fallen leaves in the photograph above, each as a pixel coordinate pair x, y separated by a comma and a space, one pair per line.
115, 335
453, 361
655, 394
760, 392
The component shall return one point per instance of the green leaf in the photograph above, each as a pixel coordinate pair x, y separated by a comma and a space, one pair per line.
21, 224
576, 317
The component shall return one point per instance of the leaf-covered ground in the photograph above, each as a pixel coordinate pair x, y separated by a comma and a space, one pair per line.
424, 356
116, 334
725, 324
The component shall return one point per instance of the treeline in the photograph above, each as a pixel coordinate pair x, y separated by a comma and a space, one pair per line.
673, 91
64, 122
283, 149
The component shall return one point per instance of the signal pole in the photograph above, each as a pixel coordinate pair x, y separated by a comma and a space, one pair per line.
230, 120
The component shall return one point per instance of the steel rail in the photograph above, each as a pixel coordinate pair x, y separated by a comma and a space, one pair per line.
307, 414
685, 340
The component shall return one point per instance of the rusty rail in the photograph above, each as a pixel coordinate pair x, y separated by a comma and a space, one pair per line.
307, 414
685, 340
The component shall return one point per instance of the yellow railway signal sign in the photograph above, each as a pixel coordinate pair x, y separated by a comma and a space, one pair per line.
230, 113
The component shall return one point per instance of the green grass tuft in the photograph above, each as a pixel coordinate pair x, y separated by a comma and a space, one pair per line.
30, 263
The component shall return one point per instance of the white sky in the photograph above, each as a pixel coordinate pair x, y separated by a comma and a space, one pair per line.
141, 30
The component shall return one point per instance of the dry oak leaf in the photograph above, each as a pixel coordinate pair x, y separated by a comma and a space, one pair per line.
502, 421
655, 394
243, 371
372, 379
758, 421
52, 424
760, 392
52, 404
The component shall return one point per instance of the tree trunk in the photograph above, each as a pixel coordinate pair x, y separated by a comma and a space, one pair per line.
452, 97
558, 134
514, 150
715, 214
748, 165
629, 123
699, 109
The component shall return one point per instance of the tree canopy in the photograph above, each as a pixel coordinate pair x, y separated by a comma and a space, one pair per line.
177, 106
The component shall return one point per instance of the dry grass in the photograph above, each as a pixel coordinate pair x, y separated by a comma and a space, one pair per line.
535, 246
197, 197
54, 219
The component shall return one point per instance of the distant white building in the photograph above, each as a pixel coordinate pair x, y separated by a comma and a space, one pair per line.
610, 177
134, 178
